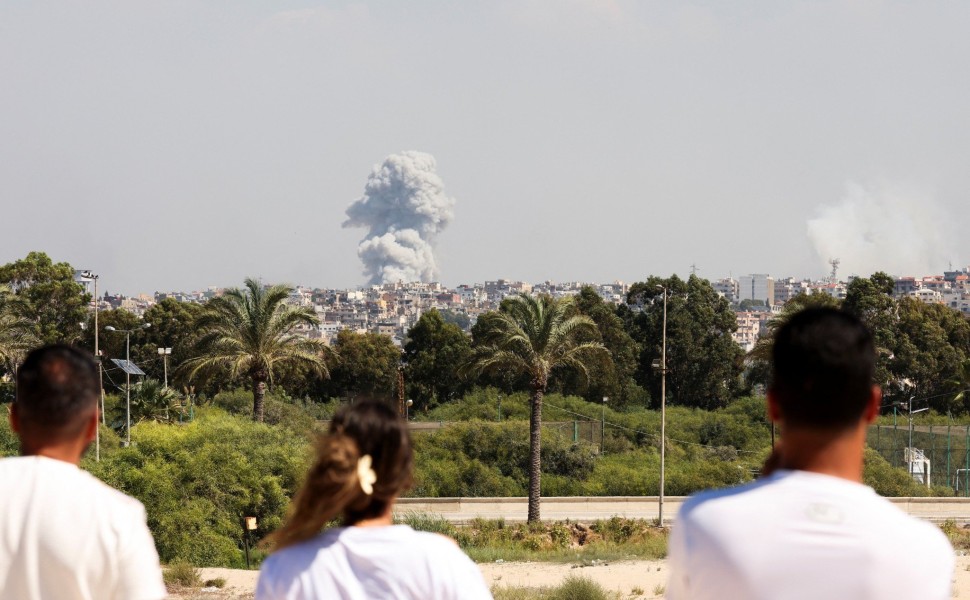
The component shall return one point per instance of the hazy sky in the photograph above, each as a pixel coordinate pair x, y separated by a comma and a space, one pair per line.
182, 144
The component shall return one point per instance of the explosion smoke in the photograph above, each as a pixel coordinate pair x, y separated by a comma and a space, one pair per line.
404, 208
883, 229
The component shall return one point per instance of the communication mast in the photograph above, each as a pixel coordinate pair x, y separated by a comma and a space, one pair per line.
834, 277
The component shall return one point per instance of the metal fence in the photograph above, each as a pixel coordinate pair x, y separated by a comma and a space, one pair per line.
932, 454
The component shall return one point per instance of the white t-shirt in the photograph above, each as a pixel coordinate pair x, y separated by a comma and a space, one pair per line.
362, 563
797, 535
65, 535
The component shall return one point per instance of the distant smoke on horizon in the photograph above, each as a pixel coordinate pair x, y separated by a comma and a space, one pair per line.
404, 208
882, 228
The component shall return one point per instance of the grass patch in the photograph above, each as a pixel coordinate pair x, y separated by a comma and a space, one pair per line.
564, 541
572, 588
218, 582
181, 573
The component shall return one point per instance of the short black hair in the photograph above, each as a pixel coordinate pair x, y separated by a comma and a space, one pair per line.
823, 365
57, 387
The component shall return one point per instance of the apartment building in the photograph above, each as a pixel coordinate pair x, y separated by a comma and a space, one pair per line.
757, 287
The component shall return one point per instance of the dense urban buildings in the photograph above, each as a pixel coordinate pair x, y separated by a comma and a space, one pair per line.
391, 309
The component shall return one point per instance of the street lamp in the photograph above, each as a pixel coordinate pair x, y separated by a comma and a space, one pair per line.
407, 409
165, 353
662, 367
603, 425
909, 409
128, 370
97, 356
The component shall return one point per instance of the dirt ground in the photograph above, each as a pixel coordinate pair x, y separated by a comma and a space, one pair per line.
633, 579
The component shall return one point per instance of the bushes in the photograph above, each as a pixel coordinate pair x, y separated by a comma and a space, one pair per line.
478, 458
198, 480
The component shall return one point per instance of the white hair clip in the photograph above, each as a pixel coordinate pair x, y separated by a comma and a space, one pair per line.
365, 474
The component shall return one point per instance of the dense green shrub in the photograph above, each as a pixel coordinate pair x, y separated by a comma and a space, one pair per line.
198, 480
887, 480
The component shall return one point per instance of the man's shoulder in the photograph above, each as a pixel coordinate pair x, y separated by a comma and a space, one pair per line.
78, 485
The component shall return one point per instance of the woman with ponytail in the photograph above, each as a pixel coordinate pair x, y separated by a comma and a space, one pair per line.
363, 464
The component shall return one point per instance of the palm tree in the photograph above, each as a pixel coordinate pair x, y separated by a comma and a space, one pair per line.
531, 337
17, 334
252, 332
152, 401
961, 381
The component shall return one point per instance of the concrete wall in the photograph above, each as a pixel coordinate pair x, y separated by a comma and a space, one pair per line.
588, 508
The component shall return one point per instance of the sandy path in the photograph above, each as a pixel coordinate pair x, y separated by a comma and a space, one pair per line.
646, 577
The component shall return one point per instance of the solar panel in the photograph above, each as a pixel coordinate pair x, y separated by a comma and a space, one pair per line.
127, 366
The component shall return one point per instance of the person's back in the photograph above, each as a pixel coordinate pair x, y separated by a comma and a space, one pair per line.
363, 464
358, 563
810, 529
64, 535
797, 535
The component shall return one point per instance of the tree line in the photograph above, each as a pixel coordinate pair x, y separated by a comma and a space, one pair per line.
252, 337
924, 349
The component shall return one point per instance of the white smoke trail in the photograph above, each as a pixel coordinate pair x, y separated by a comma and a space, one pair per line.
885, 228
404, 208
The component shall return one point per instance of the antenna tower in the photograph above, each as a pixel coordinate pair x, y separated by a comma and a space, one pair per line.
834, 277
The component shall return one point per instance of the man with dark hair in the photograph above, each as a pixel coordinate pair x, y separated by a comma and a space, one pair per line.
63, 533
810, 529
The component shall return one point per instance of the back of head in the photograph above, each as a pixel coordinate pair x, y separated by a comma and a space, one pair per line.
57, 391
363, 464
823, 367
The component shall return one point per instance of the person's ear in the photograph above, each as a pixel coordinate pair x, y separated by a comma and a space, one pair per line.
774, 411
14, 418
91, 429
875, 403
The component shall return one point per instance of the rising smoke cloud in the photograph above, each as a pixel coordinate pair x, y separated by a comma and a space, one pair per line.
882, 228
404, 208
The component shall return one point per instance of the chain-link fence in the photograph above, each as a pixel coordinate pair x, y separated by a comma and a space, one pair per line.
932, 454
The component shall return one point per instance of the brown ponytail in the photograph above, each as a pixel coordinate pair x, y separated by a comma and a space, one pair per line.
332, 487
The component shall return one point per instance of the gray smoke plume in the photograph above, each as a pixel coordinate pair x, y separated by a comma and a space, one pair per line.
885, 227
404, 208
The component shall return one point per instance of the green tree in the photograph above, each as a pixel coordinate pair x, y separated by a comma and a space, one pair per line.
610, 374
704, 363
16, 332
462, 320
961, 383
367, 367
51, 299
172, 327
253, 332
152, 401
434, 353
871, 299
534, 337
932, 341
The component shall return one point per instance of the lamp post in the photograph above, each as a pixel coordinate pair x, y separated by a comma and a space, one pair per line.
663, 408
97, 356
165, 353
407, 409
603, 425
909, 409
127, 333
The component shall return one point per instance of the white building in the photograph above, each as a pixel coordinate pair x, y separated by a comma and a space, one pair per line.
757, 287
